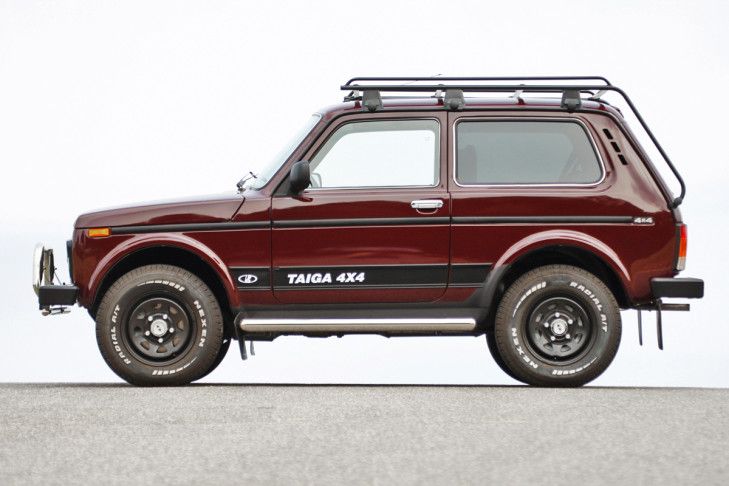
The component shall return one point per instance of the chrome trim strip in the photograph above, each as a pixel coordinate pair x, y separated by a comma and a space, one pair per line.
533, 118
254, 325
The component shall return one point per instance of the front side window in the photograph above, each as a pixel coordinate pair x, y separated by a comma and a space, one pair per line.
384, 153
525, 152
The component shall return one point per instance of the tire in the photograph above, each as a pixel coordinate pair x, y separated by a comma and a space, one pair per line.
493, 349
219, 359
557, 325
159, 325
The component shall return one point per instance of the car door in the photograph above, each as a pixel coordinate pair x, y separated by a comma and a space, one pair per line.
374, 225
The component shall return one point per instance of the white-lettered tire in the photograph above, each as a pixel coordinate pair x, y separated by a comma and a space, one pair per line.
159, 325
557, 325
494, 350
219, 358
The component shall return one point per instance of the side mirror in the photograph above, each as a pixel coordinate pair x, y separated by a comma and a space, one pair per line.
299, 177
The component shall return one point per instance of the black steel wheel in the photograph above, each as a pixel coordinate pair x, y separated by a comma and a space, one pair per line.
557, 326
160, 325
158, 330
559, 330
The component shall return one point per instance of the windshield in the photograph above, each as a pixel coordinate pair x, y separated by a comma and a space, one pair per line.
256, 180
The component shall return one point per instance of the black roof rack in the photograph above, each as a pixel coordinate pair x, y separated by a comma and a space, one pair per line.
571, 88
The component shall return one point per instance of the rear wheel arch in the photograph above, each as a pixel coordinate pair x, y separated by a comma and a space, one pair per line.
169, 255
562, 255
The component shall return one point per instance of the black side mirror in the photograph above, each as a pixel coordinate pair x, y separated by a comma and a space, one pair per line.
299, 177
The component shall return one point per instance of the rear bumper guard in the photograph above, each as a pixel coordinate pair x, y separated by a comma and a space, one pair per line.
686, 288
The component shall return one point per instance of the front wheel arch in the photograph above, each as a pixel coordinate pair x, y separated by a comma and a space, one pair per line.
168, 255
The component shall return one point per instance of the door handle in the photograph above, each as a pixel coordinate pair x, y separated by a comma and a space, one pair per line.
426, 204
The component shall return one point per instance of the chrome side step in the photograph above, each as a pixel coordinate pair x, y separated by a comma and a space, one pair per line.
254, 325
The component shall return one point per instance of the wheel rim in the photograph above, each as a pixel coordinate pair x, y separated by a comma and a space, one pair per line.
559, 330
159, 330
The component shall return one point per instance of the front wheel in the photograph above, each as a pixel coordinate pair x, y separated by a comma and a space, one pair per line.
557, 325
159, 325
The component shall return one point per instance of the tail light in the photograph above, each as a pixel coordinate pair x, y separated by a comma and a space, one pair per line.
682, 243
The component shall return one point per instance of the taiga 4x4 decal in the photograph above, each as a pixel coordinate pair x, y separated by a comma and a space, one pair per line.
361, 276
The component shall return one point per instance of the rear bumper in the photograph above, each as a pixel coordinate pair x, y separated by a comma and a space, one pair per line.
687, 288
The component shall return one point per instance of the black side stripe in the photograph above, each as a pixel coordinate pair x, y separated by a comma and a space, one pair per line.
542, 219
361, 276
309, 223
468, 274
251, 278
332, 223
185, 227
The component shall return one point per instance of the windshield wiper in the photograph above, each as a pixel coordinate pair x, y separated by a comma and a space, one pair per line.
241, 183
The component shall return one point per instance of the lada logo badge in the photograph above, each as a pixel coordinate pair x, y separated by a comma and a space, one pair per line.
248, 279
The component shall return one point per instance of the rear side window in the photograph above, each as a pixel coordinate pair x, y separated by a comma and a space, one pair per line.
525, 152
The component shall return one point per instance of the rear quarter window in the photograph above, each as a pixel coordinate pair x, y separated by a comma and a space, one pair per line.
525, 152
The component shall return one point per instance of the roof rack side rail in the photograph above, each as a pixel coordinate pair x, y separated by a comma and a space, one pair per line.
525, 88
477, 78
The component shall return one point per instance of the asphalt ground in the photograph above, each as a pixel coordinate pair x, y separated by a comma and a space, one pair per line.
339, 434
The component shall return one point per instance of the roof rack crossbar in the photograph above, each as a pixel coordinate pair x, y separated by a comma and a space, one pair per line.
478, 78
523, 88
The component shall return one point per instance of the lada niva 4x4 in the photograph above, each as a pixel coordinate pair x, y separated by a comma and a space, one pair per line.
522, 209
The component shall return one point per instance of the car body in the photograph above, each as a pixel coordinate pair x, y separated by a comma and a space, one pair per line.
429, 248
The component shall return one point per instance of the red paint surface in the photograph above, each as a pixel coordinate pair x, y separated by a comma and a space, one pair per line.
635, 253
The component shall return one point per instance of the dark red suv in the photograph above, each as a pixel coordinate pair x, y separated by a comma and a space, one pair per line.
532, 220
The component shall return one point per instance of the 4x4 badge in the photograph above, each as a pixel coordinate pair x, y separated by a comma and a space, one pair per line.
643, 220
248, 279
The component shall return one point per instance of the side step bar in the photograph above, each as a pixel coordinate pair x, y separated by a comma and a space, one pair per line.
254, 325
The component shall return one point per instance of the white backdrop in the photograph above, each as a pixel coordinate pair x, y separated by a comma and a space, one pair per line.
105, 103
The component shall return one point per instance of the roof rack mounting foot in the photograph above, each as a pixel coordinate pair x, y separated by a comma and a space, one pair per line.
371, 100
453, 99
571, 100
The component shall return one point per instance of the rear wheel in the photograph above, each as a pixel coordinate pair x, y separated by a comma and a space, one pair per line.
557, 325
160, 325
